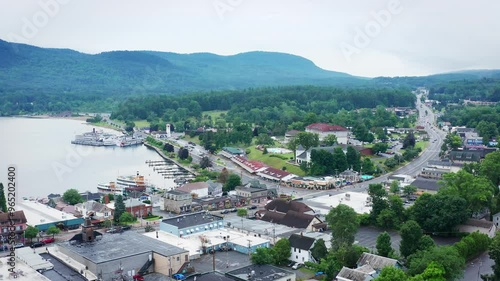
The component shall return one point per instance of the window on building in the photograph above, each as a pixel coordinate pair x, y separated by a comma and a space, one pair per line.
302, 258
296, 257
178, 258
294, 250
186, 258
299, 251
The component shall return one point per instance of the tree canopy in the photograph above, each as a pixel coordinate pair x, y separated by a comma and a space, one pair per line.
72, 196
343, 222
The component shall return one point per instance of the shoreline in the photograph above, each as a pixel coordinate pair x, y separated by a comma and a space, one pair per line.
83, 119
167, 158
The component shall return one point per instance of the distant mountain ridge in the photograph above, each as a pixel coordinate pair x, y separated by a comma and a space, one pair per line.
30, 69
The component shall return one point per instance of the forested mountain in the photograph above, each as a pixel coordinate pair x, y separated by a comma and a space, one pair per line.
29, 69
432, 80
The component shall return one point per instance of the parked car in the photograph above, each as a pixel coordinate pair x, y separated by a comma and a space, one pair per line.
37, 245
179, 276
114, 230
297, 265
234, 210
225, 212
19, 245
291, 264
253, 207
126, 227
48, 240
319, 273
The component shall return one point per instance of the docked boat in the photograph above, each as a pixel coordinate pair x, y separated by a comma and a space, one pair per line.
125, 184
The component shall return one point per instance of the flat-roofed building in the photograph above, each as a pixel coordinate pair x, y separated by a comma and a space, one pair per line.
264, 272
191, 223
127, 252
42, 216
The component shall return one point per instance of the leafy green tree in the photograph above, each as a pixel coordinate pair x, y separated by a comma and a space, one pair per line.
205, 162
380, 147
343, 222
387, 219
439, 213
353, 158
307, 140
242, 212
129, 126
383, 245
378, 197
262, 256
409, 190
168, 147
107, 223
72, 196
490, 167
391, 273
53, 230
3, 201
31, 232
487, 130
394, 188
127, 217
319, 250
339, 160
232, 182
446, 256
330, 140
477, 191
281, 251
433, 272
494, 253
367, 166
409, 140
410, 233
264, 139
119, 208
223, 176
183, 153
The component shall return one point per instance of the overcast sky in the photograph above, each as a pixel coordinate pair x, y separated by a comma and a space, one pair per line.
365, 38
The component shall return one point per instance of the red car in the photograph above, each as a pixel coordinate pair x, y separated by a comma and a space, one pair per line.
48, 240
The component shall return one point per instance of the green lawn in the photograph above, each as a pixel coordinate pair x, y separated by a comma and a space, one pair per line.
195, 139
422, 144
274, 162
141, 123
214, 113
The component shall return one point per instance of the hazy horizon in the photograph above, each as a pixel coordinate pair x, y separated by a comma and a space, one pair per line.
378, 38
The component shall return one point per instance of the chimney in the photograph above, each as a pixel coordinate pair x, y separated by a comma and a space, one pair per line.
106, 199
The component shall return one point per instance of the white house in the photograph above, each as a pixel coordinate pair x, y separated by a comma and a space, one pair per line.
324, 130
94, 209
301, 248
496, 219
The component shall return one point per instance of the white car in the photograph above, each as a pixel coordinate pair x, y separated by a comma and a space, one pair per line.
297, 265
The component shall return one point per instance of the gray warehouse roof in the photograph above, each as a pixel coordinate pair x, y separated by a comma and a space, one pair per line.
184, 221
121, 245
263, 272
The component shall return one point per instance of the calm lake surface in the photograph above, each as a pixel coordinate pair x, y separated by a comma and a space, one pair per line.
47, 162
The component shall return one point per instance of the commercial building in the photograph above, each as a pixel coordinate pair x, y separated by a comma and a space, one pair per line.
43, 216
191, 223
262, 272
323, 130
252, 194
176, 201
17, 220
127, 253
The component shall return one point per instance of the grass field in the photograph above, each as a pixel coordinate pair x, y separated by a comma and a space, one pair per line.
214, 113
141, 123
274, 162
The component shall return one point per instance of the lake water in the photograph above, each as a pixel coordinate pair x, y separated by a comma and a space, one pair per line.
47, 162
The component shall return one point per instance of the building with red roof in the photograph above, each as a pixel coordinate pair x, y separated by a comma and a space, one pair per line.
250, 166
323, 130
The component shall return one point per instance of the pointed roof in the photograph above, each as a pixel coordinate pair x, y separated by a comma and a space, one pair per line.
301, 242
